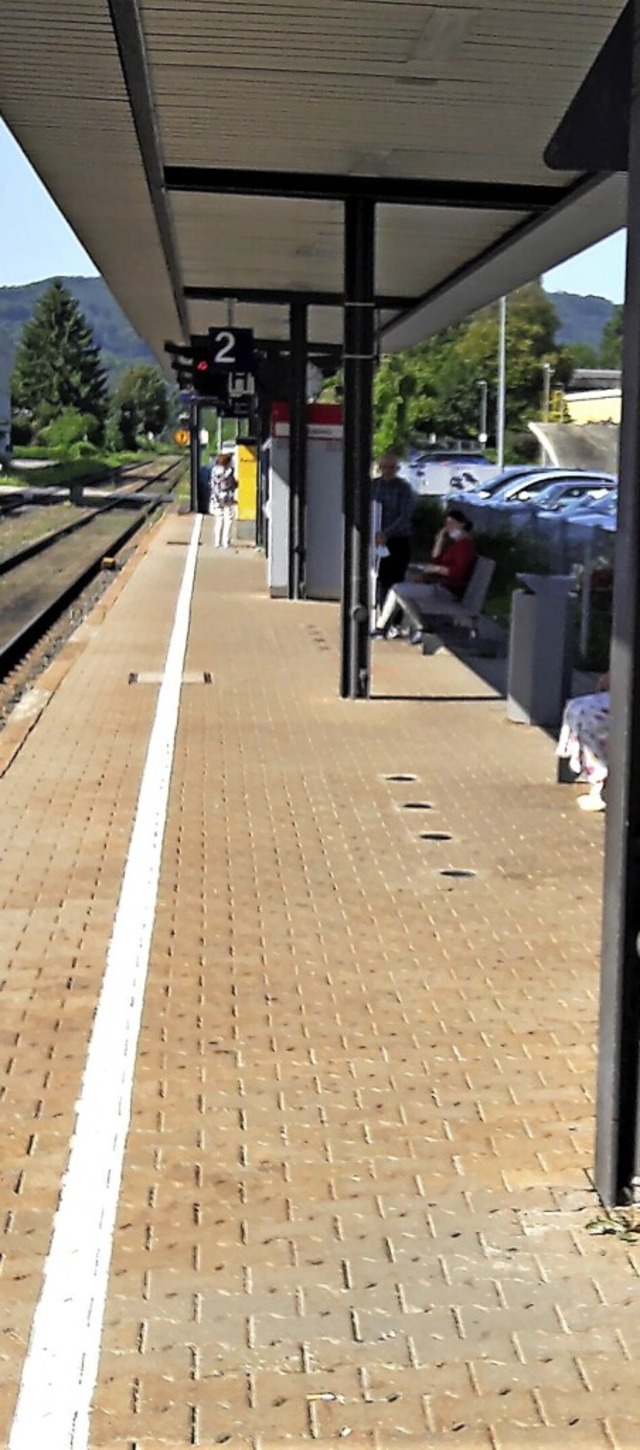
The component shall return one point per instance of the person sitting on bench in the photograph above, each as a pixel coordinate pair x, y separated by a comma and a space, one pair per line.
584, 742
451, 565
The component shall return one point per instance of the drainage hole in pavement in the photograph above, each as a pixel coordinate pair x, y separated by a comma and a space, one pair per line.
401, 779
417, 806
451, 871
435, 836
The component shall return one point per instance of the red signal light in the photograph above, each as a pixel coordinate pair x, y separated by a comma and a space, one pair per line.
202, 367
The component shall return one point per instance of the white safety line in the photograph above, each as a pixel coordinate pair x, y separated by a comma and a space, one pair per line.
61, 1366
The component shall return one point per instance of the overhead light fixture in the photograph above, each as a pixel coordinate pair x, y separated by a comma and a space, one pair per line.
441, 39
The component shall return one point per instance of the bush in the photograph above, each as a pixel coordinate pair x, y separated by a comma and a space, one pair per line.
66, 472
35, 450
69, 428
83, 450
521, 447
513, 554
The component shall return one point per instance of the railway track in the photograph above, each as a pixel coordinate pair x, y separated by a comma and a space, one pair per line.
36, 495
40, 581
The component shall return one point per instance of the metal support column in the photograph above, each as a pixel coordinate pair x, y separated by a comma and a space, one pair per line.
297, 448
502, 384
194, 456
618, 1135
359, 360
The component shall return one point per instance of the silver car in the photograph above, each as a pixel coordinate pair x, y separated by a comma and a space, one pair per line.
489, 488
539, 491
564, 497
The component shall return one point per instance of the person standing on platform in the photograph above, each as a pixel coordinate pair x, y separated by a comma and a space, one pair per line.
224, 495
396, 500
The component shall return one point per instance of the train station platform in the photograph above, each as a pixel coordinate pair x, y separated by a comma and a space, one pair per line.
327, 1036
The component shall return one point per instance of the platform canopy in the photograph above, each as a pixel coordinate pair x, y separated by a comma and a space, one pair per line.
202, 150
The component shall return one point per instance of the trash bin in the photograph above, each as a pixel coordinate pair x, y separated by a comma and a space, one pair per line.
540, 649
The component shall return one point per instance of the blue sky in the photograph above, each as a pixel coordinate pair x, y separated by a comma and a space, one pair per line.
36, 242
598, 271
35, 239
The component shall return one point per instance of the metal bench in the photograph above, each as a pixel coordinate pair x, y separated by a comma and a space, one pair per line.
465, 611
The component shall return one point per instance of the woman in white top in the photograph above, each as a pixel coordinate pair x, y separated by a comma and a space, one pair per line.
224, 493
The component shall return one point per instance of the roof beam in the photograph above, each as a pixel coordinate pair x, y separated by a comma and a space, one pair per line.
388, 190
129, 36
283, 297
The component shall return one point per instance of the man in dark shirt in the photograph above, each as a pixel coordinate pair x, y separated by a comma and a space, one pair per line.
396, 503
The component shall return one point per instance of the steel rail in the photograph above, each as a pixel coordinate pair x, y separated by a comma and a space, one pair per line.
24, 639
46, 541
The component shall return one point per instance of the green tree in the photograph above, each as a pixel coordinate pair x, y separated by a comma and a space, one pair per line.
435, 387
532, 323
122, 428
57, 364
611, 345
141, 393
581, 355
407, 391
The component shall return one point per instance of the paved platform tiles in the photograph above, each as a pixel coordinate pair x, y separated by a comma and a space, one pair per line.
356, 1192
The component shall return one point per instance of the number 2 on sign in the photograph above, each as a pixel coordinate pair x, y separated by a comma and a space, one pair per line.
224, 347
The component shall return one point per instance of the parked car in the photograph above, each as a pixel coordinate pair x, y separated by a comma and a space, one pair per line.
563, 495
540, 490
595, 513
442, 455
489, 488
433, 472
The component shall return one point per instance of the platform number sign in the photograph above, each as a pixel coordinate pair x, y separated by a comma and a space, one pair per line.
231, 349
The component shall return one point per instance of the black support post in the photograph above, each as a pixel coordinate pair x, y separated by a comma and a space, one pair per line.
618, 1137
194, 456
297, 448
359, 359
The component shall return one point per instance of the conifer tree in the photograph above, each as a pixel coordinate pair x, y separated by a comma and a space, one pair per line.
58, 363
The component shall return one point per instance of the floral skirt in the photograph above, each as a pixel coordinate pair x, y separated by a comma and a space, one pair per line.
584, 736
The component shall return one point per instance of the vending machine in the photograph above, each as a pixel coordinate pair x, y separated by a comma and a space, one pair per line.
323, 517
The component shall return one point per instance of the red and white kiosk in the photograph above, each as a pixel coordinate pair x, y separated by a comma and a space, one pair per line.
323, 512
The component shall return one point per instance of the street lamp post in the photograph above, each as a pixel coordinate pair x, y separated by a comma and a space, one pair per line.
482, 436
548, 374
502, 384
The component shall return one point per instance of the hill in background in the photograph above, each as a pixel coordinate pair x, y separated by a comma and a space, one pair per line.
582, 319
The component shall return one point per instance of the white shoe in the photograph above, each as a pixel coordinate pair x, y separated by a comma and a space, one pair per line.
394, 632
592, 802
417, 636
